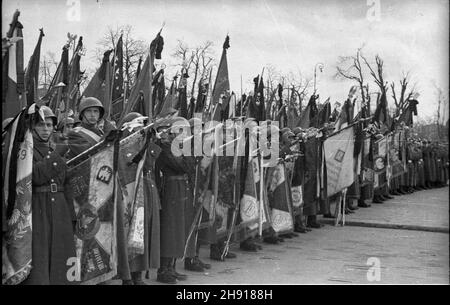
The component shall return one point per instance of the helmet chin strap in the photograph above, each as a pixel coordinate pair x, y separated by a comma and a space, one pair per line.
39, 137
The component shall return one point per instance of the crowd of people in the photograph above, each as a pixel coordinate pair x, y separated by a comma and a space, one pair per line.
159, 206
170, 184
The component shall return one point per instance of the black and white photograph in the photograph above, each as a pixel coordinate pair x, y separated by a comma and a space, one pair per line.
201, 144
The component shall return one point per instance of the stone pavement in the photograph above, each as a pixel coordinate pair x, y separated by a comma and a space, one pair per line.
426, 210
339, 255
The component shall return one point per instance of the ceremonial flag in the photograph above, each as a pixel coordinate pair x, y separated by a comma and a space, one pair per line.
182, 94
191, 108
75, 76
141, 92
138, 70
200, 104
381, 113
130, 174
93, 177
345, 116
100, 83
117, 96
222, 83
407, 113
324, 114
308, 117
379, 162
279, 199
17, 197
339, 154
168, 106
250, 201
13, 86
367, 173
396, 163
117, 89
54, 91
32, 72
159, 92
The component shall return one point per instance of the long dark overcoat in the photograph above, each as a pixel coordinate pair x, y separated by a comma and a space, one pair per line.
52, 216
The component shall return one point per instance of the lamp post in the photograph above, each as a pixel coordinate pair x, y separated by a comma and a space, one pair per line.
320, 65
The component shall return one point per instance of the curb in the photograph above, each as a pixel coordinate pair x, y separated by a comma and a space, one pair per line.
388, 226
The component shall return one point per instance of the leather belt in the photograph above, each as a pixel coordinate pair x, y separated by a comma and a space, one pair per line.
52, 188
180, 177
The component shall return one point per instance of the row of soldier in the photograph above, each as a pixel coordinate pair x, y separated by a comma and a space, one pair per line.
169, 183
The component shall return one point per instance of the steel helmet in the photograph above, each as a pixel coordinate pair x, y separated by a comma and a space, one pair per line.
48, 113
90, 102
70, 121
130, 117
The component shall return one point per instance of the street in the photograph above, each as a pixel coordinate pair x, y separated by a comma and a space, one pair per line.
339, 255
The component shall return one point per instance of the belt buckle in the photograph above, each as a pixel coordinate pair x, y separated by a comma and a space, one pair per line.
53, 188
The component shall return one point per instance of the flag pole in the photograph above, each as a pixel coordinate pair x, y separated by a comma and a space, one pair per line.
113, 74
261, 193
242, 102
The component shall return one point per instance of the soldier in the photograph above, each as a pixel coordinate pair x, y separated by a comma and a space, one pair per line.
297, 183
204, 235
176, 203
52, 216
427, 163
88, 134
62, 130
287, 137
152, 206
420, 167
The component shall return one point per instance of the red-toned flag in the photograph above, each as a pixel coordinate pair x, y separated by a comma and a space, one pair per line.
339, 157
75, 76
13, 87
100, 82
182, 94
16, 203
222, 83
57, 87
279, 199
309, 116
32, 72
93, 177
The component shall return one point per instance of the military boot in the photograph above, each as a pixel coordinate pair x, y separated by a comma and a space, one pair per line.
137, 278
166, 276
192, 264
178, 276
248, 245
363, 204
215, 253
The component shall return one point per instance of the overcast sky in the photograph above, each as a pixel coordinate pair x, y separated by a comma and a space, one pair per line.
410, 35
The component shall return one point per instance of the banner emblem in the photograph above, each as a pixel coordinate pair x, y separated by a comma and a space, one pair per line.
104, 174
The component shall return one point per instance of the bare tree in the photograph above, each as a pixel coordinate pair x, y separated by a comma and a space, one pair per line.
47, 69
350, 67
197, 60
402, 101
378, 74
133, 49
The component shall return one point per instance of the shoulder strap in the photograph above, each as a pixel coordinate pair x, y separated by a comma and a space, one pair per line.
88, 133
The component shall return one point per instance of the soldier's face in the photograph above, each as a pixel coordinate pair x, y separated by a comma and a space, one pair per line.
68, 128
91, 115
44, 129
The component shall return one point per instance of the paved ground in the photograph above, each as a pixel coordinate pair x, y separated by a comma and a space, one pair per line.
339, 255
425, 209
